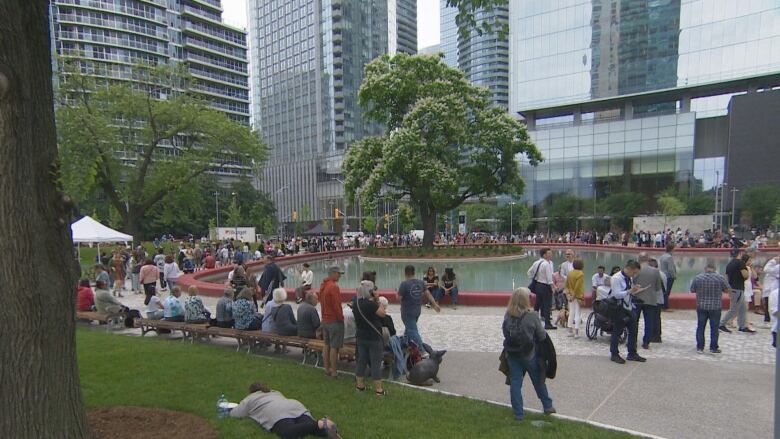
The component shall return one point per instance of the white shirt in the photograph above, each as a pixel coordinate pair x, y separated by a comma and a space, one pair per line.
620, 287
545, 274
154, 305
773, 309
748, 288
566, 267
307, 277
171, 271
771, 273
597, 281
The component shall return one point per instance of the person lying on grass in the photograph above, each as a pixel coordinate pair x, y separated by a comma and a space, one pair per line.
287, 418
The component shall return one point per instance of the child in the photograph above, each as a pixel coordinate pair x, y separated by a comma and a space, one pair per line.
575, 293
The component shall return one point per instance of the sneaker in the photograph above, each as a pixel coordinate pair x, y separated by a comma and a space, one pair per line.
550, 411
646, 346
699, 351
746, 329
428, 305
636, 358
724, 328
550, 327
618, 359
715, 351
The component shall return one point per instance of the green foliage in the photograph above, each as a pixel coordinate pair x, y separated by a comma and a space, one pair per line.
761, 204
444, 143
699, 204
670, 205
135, 146
406, 217
562, 212
467, 19
233, 215
369, 225
256, 209
623, 207
520, 215
776, 219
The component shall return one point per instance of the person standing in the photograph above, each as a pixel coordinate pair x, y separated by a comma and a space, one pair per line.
666, 262
737, 273
332, 320
118, 269
624, 289
271, 279
771, 282
709, 288
646, 300
411, 293
575, 290
171, 271
541, 272
368, 336
522, 333
148, 277
159, 261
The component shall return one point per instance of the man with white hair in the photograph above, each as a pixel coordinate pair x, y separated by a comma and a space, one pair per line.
308, 318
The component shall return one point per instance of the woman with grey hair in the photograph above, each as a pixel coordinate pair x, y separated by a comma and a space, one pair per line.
281, 319
370, 345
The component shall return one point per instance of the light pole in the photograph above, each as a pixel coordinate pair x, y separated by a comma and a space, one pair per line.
236, 224
734, 191
216, 200
715, 216
330, 202
511, 220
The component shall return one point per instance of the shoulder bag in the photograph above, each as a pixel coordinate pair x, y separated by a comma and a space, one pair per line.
532, 285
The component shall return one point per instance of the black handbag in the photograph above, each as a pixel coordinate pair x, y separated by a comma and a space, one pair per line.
532, 285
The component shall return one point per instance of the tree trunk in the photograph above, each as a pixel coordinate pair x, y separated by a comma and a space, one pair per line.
39, 377
428, 217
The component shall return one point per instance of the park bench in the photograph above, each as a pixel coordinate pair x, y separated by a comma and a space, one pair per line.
148, 325
112, 321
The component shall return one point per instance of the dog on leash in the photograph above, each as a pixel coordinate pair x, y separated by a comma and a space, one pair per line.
563, 318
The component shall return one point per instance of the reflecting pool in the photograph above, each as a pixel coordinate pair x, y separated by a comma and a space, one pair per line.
491, 275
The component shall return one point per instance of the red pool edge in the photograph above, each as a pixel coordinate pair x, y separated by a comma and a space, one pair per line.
678, 299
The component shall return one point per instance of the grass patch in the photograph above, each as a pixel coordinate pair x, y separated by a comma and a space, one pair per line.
445, 251
120, 370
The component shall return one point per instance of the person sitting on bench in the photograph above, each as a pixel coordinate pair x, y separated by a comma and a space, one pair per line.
284, 417
105, 303
85, 298
225, 309
173, 311
194, 310
281, 319
245, 312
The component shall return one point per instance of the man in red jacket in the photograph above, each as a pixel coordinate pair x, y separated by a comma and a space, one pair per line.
332, 320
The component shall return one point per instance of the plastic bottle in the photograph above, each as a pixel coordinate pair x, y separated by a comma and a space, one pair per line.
222, 410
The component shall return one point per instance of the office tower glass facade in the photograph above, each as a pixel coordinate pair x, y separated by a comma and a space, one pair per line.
106, 37
483, 58
619, 94
307, 67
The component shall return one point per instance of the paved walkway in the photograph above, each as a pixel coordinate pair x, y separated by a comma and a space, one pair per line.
676, 394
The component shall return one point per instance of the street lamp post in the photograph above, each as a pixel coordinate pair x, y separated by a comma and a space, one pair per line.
734, 191
216, 200
344, 186
278, 211
236, 226
511, 220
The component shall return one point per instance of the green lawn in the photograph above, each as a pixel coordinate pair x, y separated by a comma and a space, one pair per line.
149, 372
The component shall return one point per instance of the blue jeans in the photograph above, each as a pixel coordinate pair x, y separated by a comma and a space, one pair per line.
410, 329
437, 293
454, 295
651, 321
713, 317
518, 366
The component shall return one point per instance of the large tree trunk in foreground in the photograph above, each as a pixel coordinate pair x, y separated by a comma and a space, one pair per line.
428, 217
38, 372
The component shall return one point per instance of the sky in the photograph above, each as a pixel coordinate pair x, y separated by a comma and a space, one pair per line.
427, 19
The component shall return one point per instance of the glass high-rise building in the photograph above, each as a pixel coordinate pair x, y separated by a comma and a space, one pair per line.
623, 95
307, 61
483, 58
106, 37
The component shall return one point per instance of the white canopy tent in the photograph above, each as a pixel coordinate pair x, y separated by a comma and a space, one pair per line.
88, 230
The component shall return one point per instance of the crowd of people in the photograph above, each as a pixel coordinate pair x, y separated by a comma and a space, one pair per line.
622, 295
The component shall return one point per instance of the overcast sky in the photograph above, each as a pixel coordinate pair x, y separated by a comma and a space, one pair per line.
427, 19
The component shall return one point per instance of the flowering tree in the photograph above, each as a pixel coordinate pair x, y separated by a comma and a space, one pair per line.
444, 141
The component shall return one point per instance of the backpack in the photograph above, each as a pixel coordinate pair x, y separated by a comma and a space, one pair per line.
520, 340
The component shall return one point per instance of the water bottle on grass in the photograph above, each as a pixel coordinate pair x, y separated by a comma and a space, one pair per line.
222, 410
